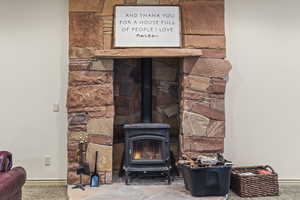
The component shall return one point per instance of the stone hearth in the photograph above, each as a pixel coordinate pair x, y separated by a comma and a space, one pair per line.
103, 93
142, 191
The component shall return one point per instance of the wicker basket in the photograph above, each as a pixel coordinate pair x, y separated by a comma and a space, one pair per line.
256, 185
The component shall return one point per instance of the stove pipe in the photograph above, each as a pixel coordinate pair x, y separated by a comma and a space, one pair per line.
146, 69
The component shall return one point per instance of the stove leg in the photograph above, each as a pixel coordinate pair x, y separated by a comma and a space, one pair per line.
126, 177
169, 178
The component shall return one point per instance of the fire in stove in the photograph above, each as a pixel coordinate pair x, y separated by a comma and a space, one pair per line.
137, 156
147, 150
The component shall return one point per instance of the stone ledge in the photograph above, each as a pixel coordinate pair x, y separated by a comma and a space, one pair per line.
148, 52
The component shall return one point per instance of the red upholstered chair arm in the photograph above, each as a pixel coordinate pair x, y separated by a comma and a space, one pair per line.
5, 161
11, 183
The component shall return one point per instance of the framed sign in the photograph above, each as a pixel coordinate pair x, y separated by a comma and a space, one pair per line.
147, 26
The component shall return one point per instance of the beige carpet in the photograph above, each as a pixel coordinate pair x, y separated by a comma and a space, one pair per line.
36, 192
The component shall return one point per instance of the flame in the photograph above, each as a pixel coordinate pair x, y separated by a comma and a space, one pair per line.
137, 156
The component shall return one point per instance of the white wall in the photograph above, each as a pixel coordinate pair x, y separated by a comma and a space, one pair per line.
33, 77
263, 96
263, 93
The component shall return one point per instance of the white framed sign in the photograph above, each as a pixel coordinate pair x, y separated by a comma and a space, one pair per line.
147, 26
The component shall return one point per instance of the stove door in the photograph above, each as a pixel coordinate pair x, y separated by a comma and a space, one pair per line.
147, 150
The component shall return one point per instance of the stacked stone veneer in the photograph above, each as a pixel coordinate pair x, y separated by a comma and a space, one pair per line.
91, 107
91, 114
127, 84
166, 94
202, 105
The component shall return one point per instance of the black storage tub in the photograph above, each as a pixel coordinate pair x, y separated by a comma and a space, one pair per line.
207, 181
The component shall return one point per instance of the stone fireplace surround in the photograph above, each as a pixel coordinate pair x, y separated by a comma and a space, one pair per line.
96, 104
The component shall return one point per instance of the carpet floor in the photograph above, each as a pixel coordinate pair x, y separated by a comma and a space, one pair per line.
36, 192
287, 192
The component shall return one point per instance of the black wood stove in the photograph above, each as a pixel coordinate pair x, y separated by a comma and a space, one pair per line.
147, 145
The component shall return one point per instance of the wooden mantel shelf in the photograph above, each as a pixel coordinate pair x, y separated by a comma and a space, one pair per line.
148, 52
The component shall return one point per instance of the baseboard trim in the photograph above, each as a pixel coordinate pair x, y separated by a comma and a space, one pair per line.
289, 181
46, 182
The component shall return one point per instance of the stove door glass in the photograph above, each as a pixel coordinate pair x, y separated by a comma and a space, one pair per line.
147, 150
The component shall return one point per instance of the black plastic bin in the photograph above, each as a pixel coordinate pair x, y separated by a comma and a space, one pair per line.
207, 181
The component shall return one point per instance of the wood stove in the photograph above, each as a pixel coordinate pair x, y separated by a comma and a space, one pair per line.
147, 145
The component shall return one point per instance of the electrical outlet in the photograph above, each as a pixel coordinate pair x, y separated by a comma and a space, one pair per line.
55, 107
47, 160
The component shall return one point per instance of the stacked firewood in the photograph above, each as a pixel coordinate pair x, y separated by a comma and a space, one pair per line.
203, 160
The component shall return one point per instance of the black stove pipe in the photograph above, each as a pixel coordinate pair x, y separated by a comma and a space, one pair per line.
146, 68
